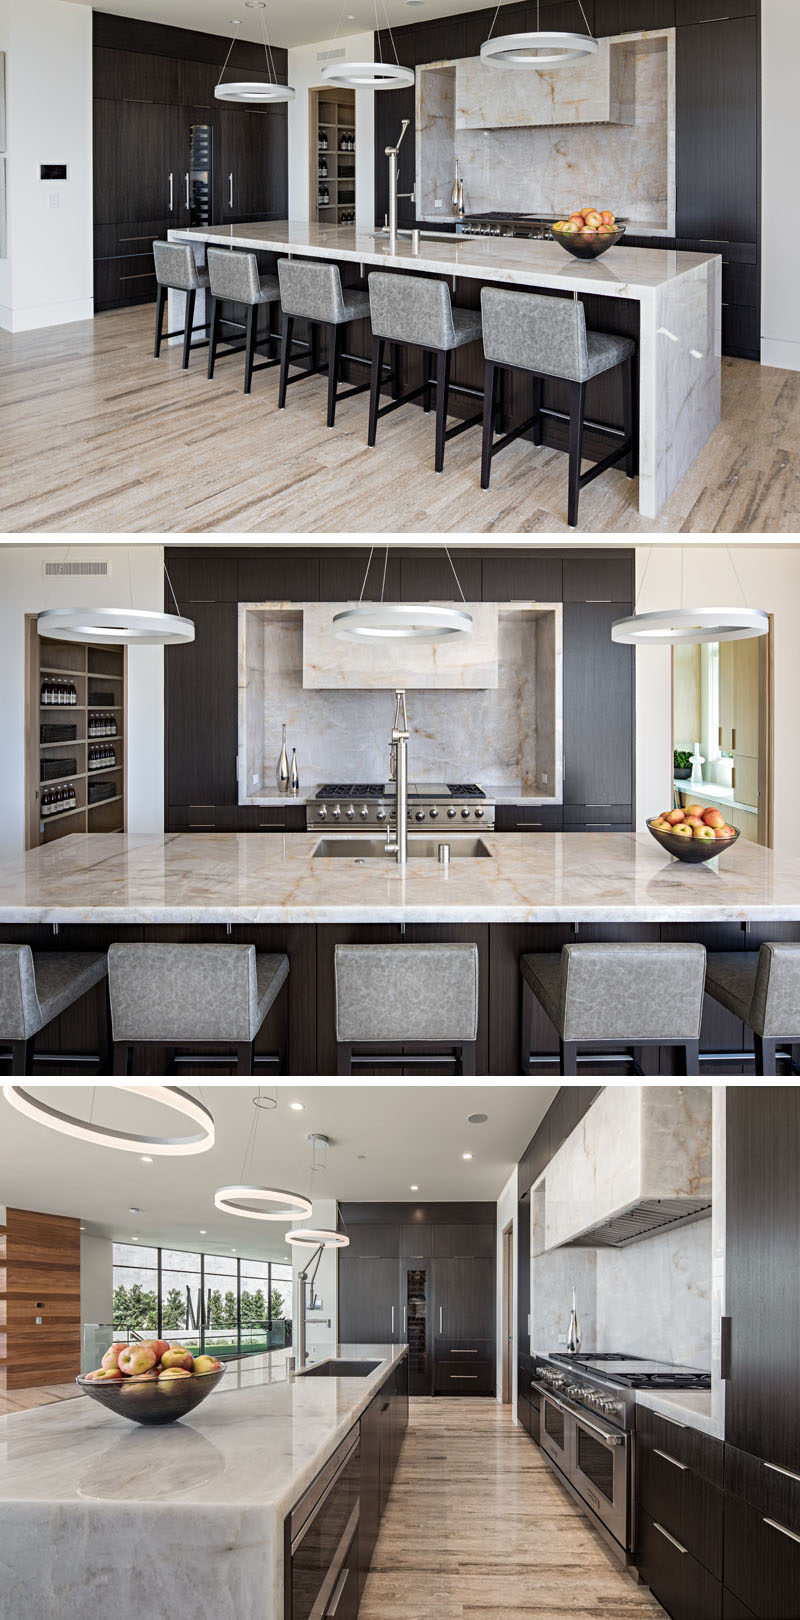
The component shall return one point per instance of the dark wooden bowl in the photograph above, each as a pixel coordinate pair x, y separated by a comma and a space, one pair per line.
693, 850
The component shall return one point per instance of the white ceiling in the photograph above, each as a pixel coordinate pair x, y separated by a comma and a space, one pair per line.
289, 22
383, 1139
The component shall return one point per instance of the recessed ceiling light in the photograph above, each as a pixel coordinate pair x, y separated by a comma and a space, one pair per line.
413, 1187
134, 1240
477, 1119
133, 1209
297, 1106
83, 1228
466, 1155
146, 1159
361, 1155
203, 1231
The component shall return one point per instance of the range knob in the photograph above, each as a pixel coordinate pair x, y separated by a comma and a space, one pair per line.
433, 812
451, 812
380, 814
465, 813
350, 813
479, 813
323, 814
420, 815
336, 812
364, 812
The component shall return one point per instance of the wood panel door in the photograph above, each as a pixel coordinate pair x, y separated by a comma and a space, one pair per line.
598, 707
717, 129
251, 175
762, 1403
40, 1298
464, 1300
201, 728
369, 1300
138, 162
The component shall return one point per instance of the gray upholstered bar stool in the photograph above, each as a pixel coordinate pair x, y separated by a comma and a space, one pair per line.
547, 337
312, 290
178, 271
413, 996
763, 989
35, 987
614, 998
235, 277
192, 996
417, 310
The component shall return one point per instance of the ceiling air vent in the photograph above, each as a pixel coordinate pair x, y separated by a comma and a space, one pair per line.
98, 568
645, 1219
331, 56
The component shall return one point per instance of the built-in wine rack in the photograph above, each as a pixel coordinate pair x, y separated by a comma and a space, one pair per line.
417, 1329
332, 156
75, 769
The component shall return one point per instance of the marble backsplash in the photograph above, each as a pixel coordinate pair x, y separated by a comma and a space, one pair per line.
510, 734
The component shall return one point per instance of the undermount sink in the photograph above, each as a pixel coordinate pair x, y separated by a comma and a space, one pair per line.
343, 848
339, 1369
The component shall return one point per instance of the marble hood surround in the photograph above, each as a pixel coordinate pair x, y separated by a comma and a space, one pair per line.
596, 90
468, 662
638, 1163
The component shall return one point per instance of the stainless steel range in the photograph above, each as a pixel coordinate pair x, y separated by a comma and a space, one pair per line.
373, 804
587, 1418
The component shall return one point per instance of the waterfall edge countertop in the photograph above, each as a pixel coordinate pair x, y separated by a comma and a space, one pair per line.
99, 1515
680, 313
114, 878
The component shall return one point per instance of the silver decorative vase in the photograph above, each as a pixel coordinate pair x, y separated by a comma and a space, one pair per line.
573, 1331
282, 767
294, 776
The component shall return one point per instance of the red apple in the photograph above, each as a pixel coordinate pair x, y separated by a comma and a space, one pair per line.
178, 1356
714, 818
137, 1358
148, 1377
683, 830
675, 817
705, 834
169, 1374
591, 217
725, 832
695, 809
577, 220
609, 218
206, 1364
104, 1375
695, 821
112, 1355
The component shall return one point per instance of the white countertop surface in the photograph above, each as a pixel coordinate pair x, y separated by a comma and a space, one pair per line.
506, 793
714, 793
620, 273
101, 1516
546, 877
690, 1407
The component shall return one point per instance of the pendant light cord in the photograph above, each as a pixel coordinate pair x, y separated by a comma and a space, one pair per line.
172, 592
237, 23
640, 588
736, 574
267, 47
539, 19
366, 576
385, 566
455, 575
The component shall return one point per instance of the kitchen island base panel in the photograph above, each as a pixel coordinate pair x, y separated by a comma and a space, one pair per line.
673, 298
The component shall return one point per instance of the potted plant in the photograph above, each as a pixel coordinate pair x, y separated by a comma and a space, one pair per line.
682, 764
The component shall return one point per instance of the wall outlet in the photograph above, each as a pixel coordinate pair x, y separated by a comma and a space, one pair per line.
54, 199
437, 202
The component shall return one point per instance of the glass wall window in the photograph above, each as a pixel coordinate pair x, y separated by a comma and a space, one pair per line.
281, 1304
206, 1301
254, 1304
181, 1297
135, 1289
221, 1292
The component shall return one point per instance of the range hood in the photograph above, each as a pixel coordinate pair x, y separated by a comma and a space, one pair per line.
638, 1164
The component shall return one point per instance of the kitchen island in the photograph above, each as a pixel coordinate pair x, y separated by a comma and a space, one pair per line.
101, 1516
529, 892
669, 301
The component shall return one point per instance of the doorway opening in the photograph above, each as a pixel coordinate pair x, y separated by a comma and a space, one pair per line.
508, 1312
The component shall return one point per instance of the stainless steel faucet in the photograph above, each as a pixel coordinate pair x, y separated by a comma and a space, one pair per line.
391, 153
399, 747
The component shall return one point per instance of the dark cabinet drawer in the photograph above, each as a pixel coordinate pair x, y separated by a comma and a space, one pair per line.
681, 1584
201, 818
684, 1503
272, 818
762, 1561
733, 1608
741, 331
134, 236
741, 283
598, 817
769, 1489
524, 1413
464, 1351
529, 818
703, 1454
130, 280
457, 1378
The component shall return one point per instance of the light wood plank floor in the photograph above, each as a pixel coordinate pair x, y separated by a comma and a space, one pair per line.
24, 1400
476, 1528
95, 435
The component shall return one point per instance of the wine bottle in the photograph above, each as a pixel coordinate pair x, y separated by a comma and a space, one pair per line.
282, 767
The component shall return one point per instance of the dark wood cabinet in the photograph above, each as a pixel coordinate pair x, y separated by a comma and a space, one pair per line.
679, 1479
278, 576
251, 169
570, 16
717, 138
518, 578
762, 1561
762, 1402
528, 818
598, 709
344, 574
629, 16
369, 1300
134, 76
271, 818
511, 19
201, 689
462, 1240
700, 11
685, 1588
464, 1301
428, 577
137, 147
201, 575
599, 579
373, 1239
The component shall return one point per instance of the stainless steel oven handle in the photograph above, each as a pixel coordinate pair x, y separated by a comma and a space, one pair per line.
667, 1458
611, 1437
668, 1537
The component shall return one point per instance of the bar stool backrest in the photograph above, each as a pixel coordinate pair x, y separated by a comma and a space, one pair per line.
647, 992
423, 992
183, 992
312, 289
535, 333
411, 309
233, 275
775, 1007
20, 1013
176, 266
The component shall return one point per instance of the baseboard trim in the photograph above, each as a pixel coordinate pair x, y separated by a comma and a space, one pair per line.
781, 353
41, 315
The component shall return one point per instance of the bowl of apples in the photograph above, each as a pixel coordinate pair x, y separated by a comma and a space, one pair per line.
154, 1382
588, 232
695, 833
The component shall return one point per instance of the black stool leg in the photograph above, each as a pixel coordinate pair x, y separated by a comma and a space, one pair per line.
576, 414
245, 1054
537, 408
250, 346
627, 416
688, 1053
313, 338
395, 377
22, 1057
335, 346
765, 1053
467, 1057
427, 363
568, 1057
375, 376
526, 1029
161, 300
122, 1057
287, 328
488, 421
344, 1058
213, 332
442, 396
187, 328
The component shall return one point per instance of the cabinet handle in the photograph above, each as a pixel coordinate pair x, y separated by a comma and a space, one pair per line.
674, 1421
187, 189
668, 1537
667, 1458
230, 190
787, 1471
330, 1612
473, 1379
440, 1317
393, 1319
463, 1352
733, 738
171, 193
725, 1324
774, 1525
404, 1318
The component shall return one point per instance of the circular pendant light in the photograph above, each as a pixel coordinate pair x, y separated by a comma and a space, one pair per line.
129, 1142
539, 47
686, 626
233, 1201
310, 1237
378, 75
132, 626
258, 90
401, 621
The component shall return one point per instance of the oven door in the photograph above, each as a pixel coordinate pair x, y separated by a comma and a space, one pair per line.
556, 1430
600, 1473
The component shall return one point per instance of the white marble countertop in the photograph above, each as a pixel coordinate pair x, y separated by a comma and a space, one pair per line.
715, 793
101, 1516
620, 273
550, 877
690, 1407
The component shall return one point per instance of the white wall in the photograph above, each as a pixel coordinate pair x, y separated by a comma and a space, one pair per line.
770, 577
780, 224
305, 75
97, 1279
324, 1214
507, 1211
47, 278
23, 589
